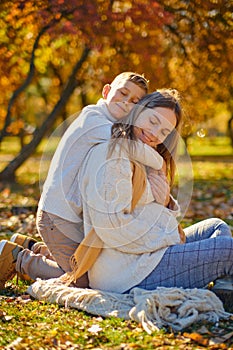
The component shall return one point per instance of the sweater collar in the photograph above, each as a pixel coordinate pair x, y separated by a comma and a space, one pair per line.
102, 103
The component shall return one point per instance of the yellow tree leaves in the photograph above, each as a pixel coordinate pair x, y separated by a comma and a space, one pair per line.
187, 45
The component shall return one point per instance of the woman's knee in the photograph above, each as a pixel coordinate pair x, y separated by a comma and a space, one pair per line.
221, 228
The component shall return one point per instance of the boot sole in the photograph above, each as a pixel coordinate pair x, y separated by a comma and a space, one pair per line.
226, 296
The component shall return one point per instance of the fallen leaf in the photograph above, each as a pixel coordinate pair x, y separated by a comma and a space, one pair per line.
7, 318
198, 338
14, 344
94, 329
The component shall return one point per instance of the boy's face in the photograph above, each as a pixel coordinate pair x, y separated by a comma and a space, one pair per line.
121, 97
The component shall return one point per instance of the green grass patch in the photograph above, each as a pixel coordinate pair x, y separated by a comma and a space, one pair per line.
210, 146
29, 324
208, 170
39, 325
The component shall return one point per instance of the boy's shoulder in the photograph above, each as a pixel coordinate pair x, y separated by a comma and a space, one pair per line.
92, 117
95, 113
99, 108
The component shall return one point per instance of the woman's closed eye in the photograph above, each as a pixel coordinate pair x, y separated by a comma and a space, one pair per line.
153, 121
164, 133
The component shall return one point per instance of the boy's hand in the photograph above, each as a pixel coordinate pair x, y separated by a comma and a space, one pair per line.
159, 186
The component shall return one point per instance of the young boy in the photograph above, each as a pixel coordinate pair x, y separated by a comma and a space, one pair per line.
59, 216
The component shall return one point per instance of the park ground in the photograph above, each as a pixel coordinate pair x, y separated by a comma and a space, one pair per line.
31, 324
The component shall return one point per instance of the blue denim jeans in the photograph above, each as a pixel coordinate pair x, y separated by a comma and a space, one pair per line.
206, 256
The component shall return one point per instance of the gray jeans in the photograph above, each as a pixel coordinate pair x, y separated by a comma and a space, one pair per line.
206, 256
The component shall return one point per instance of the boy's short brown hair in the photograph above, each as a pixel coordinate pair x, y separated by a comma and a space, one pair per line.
135, 78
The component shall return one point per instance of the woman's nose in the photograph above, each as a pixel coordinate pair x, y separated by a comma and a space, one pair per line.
155, 130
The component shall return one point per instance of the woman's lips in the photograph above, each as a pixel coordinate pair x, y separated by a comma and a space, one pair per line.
146, 138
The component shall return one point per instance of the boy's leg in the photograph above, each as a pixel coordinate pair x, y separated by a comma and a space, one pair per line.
192, 265
205, 229
55, 234
31, 244
60, 246
37, 265
42, 249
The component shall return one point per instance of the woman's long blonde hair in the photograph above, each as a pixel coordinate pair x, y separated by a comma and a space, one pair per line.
124, 130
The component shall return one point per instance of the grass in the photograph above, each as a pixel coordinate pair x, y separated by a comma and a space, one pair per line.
210, 146
46, 326
38, 325
29, 324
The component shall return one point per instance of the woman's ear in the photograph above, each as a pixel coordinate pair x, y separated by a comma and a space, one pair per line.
106, 90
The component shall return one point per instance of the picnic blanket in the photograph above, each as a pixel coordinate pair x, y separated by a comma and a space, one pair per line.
177, 308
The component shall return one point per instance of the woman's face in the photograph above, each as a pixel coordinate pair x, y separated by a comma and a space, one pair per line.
154, 125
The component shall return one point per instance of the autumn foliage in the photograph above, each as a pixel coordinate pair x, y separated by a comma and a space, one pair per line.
56, 55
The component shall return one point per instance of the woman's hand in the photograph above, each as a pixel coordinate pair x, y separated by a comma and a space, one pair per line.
159, 186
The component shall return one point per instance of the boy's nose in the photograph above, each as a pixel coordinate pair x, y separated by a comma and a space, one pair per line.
127, 105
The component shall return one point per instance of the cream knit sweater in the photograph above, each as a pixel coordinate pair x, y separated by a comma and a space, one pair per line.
134, 243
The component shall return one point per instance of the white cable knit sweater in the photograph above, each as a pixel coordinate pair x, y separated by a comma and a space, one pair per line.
134, 243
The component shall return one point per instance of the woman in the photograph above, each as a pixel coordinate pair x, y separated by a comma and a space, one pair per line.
143, 248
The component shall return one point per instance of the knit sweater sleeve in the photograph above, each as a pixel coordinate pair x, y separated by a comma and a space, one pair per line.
147, 156
148, 228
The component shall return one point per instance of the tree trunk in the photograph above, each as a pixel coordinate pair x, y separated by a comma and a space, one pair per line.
8, 174
230, 129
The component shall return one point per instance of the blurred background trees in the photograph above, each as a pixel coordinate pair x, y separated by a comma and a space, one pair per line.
56, 55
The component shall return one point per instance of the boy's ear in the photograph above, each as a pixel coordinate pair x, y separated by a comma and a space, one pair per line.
106, 90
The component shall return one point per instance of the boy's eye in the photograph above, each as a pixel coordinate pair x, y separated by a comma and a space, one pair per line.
123, 93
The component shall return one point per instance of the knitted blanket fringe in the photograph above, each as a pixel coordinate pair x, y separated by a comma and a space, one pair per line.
177, 308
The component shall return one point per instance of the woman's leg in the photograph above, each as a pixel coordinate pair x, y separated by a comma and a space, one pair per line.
192, 265
205, 229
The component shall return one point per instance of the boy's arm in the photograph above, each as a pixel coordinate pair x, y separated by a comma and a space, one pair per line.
147, 155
